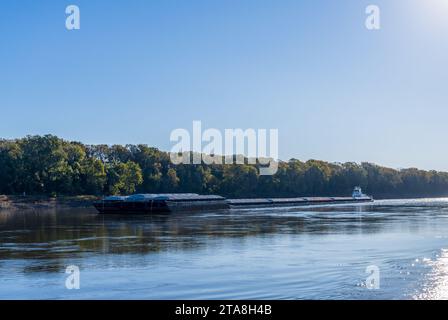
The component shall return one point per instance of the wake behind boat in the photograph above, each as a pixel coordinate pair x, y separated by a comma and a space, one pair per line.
172, 202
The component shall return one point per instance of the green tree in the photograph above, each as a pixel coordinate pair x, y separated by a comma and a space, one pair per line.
124, 177
10, 167
93, 176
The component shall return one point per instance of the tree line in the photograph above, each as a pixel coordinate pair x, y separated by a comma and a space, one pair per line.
48, 165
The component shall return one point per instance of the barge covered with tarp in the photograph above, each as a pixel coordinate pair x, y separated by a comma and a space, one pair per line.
148, 203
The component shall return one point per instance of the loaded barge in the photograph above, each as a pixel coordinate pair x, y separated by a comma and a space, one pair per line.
173, 202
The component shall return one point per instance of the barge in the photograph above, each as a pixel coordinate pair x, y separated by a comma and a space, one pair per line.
173, 202
149, 203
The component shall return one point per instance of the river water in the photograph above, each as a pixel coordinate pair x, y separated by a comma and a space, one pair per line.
321, 252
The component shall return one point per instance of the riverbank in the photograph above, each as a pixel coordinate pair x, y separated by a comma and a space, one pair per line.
45, 202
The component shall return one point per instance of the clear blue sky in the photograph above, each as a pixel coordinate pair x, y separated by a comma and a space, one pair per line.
138, 69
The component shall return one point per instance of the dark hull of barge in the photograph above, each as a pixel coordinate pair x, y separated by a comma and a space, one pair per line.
204, 203
158, 206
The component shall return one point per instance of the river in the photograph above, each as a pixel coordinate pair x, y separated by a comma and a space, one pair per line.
283, 253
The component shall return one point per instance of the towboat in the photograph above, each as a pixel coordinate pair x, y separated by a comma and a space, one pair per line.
357, 193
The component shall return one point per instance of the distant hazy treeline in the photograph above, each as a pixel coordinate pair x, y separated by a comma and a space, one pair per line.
52, 166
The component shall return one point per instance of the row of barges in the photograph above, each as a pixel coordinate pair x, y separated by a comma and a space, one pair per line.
174, 202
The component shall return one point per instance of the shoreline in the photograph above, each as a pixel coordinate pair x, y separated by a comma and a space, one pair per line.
14, 202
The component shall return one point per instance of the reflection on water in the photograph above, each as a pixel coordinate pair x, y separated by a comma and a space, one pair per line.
284, 253
436, 284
